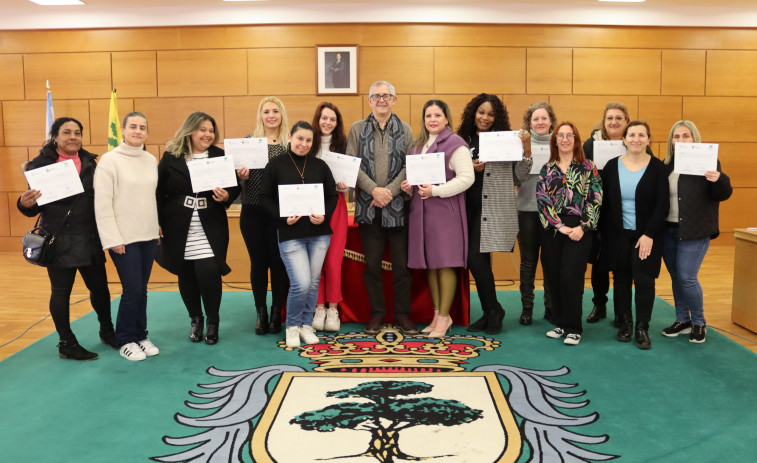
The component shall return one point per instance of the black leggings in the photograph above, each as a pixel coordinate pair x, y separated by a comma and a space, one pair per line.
200, 281
61, 284
259, 233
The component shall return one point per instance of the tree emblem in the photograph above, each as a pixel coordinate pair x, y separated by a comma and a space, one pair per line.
386, 415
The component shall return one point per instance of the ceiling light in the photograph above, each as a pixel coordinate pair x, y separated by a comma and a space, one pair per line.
57, 2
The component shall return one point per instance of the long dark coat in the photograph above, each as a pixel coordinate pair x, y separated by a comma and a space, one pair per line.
174, 185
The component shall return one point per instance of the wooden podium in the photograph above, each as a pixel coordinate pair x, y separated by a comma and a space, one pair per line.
744, 303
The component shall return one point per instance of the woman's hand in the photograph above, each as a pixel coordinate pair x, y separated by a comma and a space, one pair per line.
712, 175
478, 166
406, 187
292, 219
645, 246
425, 191
29, 198
576, 233
243, 173
220, 195
341, 186
120, 249
317, 219
525, 139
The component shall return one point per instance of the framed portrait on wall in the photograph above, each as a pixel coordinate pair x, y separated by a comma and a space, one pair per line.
336, 69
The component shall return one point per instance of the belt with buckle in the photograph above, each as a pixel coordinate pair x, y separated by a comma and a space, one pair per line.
195, 203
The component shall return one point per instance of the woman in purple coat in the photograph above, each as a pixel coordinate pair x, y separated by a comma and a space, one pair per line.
438, 231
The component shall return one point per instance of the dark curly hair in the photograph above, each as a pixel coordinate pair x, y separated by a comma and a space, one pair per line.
468, 130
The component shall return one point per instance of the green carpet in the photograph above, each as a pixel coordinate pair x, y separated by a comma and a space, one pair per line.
678, 402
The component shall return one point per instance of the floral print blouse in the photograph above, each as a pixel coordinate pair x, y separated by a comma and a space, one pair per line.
577, 192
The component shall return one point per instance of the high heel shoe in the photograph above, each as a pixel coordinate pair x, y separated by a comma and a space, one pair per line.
443, 324
597, 313
211, 337
431, 326
261, 326
196, 328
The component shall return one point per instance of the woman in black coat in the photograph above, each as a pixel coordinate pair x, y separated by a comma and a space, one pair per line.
633, 217
77, 245
194, 226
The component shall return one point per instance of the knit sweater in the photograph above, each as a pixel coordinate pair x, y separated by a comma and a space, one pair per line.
526, 193
125, 205
461, 164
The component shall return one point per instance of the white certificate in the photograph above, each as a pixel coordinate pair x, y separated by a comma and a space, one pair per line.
251, 153
209, 173
344, 168
56, 181
500, 146
425, 169
695, 158
301, 199
540, 155
607, 149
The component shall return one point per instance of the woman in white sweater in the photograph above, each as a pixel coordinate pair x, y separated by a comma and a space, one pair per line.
127, 220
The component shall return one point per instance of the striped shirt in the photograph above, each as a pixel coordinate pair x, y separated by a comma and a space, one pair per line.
197, 246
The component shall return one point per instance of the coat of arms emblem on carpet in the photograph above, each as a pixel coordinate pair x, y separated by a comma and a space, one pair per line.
387, 398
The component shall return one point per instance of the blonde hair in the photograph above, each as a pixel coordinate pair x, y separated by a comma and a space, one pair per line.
694, 134
181, 145
283, 127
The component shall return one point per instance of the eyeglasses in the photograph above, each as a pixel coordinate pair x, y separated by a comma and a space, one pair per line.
385, 97
569, 136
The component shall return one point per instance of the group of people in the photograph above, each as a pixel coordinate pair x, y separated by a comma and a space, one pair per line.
624, 219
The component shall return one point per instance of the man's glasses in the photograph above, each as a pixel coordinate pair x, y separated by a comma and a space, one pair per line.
385, 97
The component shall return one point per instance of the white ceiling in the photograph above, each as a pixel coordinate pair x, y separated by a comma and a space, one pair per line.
22, 14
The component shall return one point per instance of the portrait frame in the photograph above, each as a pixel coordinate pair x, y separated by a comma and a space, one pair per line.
336, 69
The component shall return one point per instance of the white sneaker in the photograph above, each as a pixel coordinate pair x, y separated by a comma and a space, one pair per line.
133, 352
332, 320
319, 319
556, 333
293, 336
148, 347
572, 339
307, 334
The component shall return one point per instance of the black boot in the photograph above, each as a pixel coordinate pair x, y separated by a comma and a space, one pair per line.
196, 328
494, 321
526, 317
642, 336
72, 350
480, 324
108, 336
275, 325
625, 331
211, 336
597, 313
550, 316
261, 326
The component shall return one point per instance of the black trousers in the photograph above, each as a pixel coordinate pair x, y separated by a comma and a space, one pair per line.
628, 270
480, 266
259, 234
565, 263
374, 238
600, 279
529, 241
61, 284
200, 285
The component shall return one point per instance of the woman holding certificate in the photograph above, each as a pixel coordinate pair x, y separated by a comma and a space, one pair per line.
303, 238
568, 194
634, 206
438, 229
194, 225
258, 228
489, 204
539, 121
329, 129
690, 225
77, 244
127, 219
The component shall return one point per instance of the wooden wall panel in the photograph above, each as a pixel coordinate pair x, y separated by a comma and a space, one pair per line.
58, 41
135, 73
731, 73
739, 211
71, 75
683, 72
409, 69
549, 70
5, 224
2, 126
616, 72
202, 73
167, 114
472, 70
24, 121
11, 176
586, 111
517, 105
99, 111
12, 77
271, 71
737, 160
456, 105
715, 117
661, 112
19, 223
240, 115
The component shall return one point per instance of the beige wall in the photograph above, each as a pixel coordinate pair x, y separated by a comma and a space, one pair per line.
662, 74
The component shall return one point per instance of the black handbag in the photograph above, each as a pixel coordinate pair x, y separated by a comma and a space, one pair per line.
39, 244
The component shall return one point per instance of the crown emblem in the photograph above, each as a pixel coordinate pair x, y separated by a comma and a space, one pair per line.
390, 351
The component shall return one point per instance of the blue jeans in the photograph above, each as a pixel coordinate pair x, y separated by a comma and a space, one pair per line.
683, 260
134, 267
303, 259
